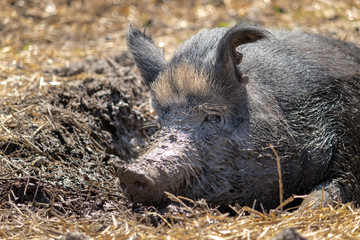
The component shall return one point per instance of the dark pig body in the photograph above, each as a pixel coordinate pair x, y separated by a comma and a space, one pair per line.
226, 95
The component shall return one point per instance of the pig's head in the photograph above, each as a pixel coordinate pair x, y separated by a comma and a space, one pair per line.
204, 148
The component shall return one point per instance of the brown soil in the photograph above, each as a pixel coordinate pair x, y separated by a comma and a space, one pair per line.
63, 144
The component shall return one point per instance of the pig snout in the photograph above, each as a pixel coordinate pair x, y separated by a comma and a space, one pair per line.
147, 183
137, 186
163, 168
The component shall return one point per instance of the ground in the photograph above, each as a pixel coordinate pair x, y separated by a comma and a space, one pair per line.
73, 107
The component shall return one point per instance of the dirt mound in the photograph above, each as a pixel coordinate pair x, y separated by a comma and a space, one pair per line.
60, 146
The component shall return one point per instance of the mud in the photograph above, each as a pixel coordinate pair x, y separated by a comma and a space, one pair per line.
60, 146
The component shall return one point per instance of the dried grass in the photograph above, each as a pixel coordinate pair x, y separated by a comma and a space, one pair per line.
40, 34
328, 223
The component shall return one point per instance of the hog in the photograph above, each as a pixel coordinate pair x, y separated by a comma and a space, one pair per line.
226, 95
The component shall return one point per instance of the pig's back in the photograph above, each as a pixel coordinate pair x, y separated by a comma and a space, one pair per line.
299, 60
315, 81
297, 66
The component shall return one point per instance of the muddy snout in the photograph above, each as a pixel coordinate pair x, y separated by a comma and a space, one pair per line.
137, 186
163, 168
142, 186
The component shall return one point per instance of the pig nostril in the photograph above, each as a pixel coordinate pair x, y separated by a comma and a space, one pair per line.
137, 186
140, 187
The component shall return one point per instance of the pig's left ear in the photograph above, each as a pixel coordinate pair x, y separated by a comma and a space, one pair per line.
148, 57
227, 58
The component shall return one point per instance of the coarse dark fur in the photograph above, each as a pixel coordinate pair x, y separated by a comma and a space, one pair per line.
227, 94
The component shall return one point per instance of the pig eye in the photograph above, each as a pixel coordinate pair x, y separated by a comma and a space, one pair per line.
213, 118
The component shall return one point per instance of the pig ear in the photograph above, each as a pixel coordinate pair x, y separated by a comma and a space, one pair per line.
148, 57
226, 55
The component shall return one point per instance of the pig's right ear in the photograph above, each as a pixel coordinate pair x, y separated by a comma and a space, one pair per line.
227, 57
148, 57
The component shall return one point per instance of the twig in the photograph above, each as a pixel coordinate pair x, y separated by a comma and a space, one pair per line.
26, 186
36, 191
281, 191
253, 211
113, 63
284, 203
39, 129
10, 173
322, 197
176, 199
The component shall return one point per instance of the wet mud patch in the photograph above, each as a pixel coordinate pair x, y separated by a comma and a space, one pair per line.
60, 147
